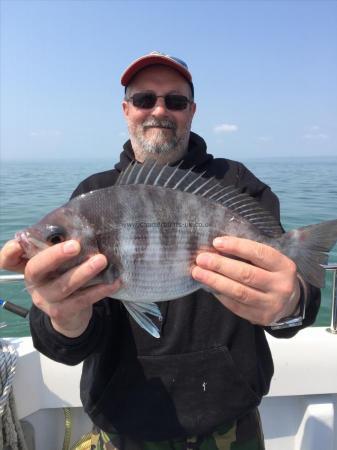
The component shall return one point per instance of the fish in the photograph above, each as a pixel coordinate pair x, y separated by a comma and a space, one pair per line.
152, 224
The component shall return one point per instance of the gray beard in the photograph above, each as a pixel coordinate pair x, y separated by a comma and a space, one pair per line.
159, 144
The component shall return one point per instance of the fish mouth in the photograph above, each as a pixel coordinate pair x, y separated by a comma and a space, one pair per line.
29, 244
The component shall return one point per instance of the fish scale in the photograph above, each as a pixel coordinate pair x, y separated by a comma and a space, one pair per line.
152, 224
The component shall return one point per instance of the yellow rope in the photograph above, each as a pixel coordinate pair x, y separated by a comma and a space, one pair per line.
67, 428
84, 443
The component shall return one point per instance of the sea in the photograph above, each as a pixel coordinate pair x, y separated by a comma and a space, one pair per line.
306, 187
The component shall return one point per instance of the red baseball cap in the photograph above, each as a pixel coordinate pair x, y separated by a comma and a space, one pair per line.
156, 58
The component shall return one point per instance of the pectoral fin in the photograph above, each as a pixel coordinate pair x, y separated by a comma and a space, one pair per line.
138, 312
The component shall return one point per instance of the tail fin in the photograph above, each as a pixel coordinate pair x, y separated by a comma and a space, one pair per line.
309, 247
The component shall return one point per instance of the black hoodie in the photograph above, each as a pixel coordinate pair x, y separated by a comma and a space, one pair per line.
209, 366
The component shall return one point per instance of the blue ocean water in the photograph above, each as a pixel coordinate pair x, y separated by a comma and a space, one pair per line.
307, 188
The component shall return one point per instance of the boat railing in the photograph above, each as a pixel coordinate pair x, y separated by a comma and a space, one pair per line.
333, 268
11, 278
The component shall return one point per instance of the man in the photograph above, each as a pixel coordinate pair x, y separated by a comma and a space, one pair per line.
201, 382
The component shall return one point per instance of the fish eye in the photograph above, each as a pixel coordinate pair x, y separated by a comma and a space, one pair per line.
56, 239
56, 235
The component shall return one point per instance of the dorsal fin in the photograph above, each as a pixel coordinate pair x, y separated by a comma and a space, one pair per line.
154, 174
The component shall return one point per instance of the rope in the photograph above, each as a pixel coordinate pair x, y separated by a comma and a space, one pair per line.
84, 443
7, 371
11, 434
68, 422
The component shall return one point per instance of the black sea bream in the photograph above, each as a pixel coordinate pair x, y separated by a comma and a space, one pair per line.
152, 224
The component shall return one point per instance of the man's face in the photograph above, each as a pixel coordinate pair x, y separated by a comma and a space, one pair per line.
159, 131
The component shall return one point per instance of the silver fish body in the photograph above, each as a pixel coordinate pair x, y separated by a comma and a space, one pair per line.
151, 236
152, 224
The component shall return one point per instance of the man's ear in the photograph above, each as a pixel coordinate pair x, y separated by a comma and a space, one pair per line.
193, 108
125, 106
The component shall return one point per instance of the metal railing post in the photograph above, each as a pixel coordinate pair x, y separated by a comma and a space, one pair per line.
11, 277
333, 326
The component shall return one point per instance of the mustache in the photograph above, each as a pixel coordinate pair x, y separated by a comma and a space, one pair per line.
163, 123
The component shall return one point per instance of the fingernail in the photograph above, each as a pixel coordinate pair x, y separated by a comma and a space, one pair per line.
196, 273
98, 262
220, 241
203, 258
71, 247
13, 243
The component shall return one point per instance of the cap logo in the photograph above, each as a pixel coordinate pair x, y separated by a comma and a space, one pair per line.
174, 58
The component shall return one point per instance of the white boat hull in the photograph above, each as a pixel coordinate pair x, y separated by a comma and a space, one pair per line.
300, 412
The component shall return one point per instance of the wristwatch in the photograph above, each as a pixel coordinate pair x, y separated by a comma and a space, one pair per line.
296, 319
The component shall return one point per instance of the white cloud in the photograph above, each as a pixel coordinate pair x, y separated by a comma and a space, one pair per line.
319, 136
315, 133
225, 128
264, 139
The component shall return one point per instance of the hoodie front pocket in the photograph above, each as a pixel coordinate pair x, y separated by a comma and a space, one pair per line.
160, 397
206, 387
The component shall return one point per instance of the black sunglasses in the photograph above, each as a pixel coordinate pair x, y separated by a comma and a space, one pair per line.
147, 100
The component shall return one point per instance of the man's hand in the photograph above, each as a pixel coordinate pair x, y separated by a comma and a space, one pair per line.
63, 299
11, 257
263, 289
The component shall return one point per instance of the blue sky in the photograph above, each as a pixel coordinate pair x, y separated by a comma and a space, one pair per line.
265, 74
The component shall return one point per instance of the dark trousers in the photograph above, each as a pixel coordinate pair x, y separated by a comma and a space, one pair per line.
244, 434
